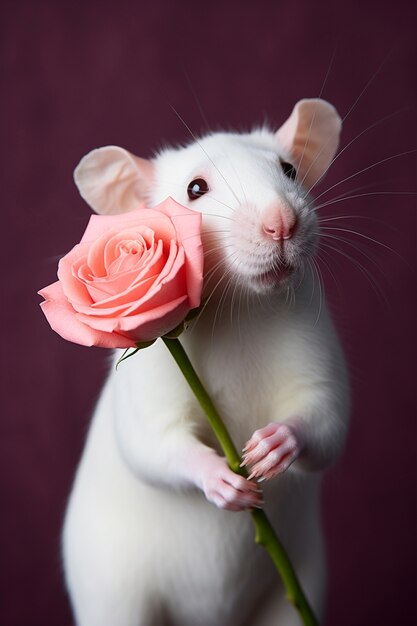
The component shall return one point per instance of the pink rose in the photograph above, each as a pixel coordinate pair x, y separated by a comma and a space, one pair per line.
132, 278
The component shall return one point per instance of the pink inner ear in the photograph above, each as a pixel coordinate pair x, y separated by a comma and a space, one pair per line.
113, 181
309, 138
285, 136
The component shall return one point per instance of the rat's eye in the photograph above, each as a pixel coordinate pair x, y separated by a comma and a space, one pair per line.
198, 187
288, 169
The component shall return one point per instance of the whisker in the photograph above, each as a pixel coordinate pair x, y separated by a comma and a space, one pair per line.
207, 280
375, 74
363, 195
332, 218
313, 290
205, 152
287, 295
365, 169
360, 188
247, 299
370, 81
319, 280
329, 269
214, 249
222, 300
292, 296
207, 231
232, 303
223, 204
237, 175
314, 115
365, 130
362, 269
181, 186
354, 232
211, 272
226, 274
239, 311
355, 247
197, 100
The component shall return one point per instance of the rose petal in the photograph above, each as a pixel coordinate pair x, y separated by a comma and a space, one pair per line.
104, 291
112, 250
122, 298
64, 321
145, 261
188, 224
116, 306
188, 227
169, 285
142, 326
103, 251
137, 295
72, 287
152, 218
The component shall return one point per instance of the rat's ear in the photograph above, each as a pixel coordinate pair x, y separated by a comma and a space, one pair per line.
111, 180
309, 139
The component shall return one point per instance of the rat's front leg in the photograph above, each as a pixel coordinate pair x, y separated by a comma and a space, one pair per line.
221, 486
164, 451
313, 441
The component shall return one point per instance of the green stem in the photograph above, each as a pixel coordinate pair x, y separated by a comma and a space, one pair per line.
265, 534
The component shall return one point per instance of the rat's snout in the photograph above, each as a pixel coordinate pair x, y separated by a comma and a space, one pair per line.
279, 221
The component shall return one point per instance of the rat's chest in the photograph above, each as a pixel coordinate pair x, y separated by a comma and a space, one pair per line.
251, 379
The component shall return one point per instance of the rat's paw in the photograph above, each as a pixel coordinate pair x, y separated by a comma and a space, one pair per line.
228, 490
270, 451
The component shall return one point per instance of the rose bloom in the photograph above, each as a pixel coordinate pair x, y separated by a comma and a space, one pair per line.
132, 278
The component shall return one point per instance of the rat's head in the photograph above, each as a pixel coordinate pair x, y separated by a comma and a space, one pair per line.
259, 224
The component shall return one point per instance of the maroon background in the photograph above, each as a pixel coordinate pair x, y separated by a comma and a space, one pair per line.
75, 76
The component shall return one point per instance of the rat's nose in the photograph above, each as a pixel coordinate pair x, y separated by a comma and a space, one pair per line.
278, 221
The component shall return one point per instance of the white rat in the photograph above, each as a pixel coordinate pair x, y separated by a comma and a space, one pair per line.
154, 533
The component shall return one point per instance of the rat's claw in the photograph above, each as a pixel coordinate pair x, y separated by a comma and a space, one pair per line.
258, 436
270, 451
273, 465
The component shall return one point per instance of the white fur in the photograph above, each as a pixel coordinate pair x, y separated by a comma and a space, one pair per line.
142, 545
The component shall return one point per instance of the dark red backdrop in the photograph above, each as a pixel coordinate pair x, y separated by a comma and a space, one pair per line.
79, 75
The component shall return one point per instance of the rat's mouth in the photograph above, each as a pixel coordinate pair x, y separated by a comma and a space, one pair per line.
273, 277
